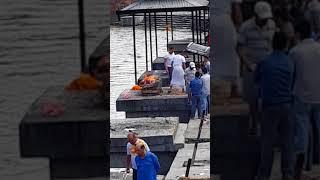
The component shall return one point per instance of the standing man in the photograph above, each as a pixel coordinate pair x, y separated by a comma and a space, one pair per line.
306, 90
168, 61
133, 141
206, 64
226, 63
195, 95
205, 91
147, 163
178, 64
190, 74
275, 78
255, 44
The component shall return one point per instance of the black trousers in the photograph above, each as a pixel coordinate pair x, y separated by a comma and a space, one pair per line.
134, 175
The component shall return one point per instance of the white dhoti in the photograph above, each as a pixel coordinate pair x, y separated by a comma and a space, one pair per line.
178, 77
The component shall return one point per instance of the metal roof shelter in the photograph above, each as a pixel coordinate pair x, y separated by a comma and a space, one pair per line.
199, 10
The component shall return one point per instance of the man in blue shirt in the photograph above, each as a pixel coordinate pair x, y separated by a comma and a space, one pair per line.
147, 164
274, 75
195, 93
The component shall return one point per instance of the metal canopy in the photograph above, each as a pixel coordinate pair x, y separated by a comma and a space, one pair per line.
146, 6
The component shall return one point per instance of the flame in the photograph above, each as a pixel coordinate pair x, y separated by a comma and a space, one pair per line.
149, 79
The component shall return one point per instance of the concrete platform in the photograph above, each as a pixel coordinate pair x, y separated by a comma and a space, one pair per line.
155, 131
76, 136
202, 170
135, 105
236, 153
161, 144
193, 130
179, 45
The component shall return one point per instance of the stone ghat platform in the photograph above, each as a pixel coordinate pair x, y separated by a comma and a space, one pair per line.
201, 167
75, 142
164, 136
193, 130
236, 153
135, 105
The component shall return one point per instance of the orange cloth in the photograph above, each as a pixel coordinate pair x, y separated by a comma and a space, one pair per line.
84, 82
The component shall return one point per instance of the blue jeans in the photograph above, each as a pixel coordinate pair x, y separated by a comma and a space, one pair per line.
205, 98
196, 104
305, 114
277, 120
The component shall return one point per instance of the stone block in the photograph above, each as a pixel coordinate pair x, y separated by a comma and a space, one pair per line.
184, 116
177, 168
79, 132
193, 130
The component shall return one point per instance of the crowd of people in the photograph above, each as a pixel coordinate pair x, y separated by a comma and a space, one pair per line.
276, 53
194, 80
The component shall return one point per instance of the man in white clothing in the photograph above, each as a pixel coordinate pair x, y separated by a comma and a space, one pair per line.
205, 91
168, 62
133, 141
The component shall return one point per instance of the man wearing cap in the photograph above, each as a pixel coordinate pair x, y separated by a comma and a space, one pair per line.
190, 74
255, 43
133, 141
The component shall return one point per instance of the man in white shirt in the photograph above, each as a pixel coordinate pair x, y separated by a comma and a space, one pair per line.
306, 91
133, 141
205, 91
168, 61
178, 65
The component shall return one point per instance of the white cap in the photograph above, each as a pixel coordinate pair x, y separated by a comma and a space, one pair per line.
263, 10
192, 64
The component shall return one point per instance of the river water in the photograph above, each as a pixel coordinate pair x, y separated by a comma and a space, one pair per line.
122, 61
39, 48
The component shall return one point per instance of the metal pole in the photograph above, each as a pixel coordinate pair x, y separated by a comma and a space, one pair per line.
188, 167
204, 25
82, 36
197, 30
167, 28
200, 38
197, 27
155, 32
192, 28
150, 28
146, 38
171, 26
134, 48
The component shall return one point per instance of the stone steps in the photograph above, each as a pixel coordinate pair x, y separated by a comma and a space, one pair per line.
177, 169
193, 130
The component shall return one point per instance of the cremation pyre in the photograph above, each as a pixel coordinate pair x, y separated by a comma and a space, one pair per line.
150, 85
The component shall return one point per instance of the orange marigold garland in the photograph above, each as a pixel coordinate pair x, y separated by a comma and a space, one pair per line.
136, 88
84, 82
